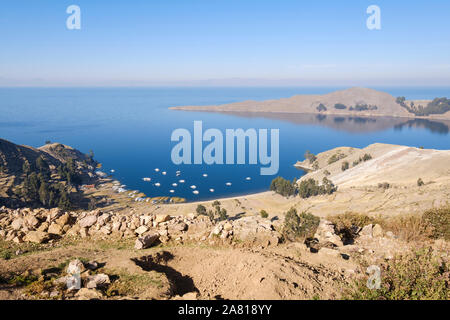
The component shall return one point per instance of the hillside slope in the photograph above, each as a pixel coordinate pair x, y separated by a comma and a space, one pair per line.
354, 101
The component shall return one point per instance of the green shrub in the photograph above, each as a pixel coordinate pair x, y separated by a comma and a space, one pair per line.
311, 157
201, 210
336, 157
264, 214
299, 227
439, 221
420, 182
345, 165
414, 276
384, 185
283, 187
311, 187
340, 106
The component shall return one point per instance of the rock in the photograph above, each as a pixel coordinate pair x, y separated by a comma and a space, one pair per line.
87, 222
330, 252
37, 237
75, 267
179, 227
53, 214
367, 231
390, 235
17, 224
105, 230
92, 265
162, 218
32, 221
43, 227
88, 294
84, 232
63, 220
146, 241
97, 281
18, 240
141, 230
227, 226
103, 219
377, 231
55, 229
325, 233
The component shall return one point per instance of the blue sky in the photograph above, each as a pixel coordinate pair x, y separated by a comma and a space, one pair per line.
229, 42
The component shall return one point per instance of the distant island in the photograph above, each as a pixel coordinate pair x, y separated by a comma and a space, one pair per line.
362, 102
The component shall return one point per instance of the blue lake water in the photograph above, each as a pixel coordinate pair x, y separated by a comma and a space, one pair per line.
129, 131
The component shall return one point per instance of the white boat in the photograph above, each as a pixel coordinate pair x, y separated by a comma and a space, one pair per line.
181, 181
171, 191
193, 187
164, 173
195, 192
174, 184
157, 184
157, 170
205, 175
178, 173
147, 179
211, 190
248, 178
228, 183
112, 170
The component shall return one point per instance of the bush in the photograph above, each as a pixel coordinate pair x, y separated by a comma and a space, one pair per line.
311, 157
299, 227
283, 187
336, 157
408, 228
439, 221
414, 276
420, 182
384, 185
345, 165
201, 210
264, 214
321, 108
340, 106
311, 187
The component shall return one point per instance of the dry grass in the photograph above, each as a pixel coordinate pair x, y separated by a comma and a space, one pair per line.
408, 228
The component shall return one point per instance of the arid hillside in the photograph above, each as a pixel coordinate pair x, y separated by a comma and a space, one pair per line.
354, 101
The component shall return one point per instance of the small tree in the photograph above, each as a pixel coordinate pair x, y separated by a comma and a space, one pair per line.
345, 165
311, 157
264, 214
420, 182
201, 210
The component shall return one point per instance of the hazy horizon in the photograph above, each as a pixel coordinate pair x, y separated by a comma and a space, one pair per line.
232, 43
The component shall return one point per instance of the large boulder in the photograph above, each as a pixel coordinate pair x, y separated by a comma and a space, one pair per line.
37, 237
162, 218
17, 224
97, 281
88, 221
255, 229
146, 241
55, 229
325, 233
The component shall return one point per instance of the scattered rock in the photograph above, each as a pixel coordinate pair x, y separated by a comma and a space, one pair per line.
97, 281
377, 231
325, 233
55, 229
162, 218
75, 267
37, 237
141, 230
87, 222
146, 241
88, 294
367, 231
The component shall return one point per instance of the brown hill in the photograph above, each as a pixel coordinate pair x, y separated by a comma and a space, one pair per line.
354, 101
